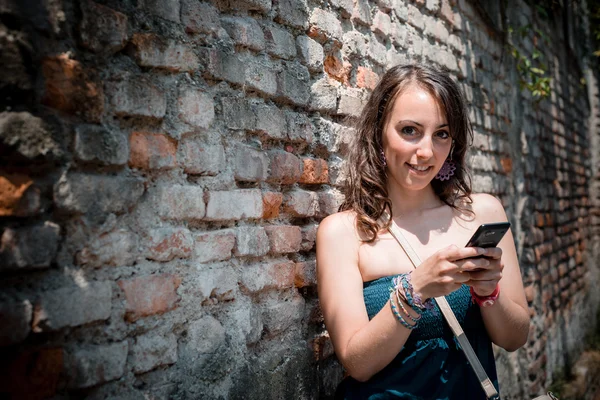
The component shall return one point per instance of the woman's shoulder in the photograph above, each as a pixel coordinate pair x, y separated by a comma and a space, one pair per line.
340, 224
487, 208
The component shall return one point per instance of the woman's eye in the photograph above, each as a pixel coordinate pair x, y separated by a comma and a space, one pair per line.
443, 134
408, 130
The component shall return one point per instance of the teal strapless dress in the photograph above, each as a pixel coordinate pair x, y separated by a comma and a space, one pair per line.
431, 365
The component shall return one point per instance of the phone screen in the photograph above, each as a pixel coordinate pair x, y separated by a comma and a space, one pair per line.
488, 235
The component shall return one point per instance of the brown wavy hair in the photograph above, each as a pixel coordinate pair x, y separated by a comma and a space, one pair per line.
365, 186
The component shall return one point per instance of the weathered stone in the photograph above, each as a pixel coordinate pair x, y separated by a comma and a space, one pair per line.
200, 158
250, 165
29, 247
116, 248
98, 145
310, 53
137, 97
196, 108
79, 192
245, 32
153, 350
234, 205
15, 321
28, 135
280, 43
103, 30
56, 309
91, 365
251, 241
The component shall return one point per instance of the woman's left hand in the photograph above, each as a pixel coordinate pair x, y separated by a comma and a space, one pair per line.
484, 280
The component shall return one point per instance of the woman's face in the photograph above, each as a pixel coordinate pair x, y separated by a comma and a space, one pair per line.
416, 139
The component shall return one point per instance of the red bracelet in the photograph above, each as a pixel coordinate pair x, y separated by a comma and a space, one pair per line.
485, 301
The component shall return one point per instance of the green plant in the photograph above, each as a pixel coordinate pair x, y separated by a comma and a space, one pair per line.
532, 70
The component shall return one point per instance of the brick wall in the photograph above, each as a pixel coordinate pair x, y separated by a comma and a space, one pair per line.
165, 165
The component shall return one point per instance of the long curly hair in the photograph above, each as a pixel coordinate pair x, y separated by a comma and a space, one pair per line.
365, 186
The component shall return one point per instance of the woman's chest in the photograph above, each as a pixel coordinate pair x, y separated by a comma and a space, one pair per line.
385, 257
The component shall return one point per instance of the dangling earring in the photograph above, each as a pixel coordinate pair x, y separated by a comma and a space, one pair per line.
382, 157
447, 170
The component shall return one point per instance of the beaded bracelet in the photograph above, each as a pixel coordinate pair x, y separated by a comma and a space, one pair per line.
398, 316
400, 299
413, 299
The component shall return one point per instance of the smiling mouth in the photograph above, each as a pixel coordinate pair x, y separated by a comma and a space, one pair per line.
419, 168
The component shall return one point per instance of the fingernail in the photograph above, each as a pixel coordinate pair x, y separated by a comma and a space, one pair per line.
480, 250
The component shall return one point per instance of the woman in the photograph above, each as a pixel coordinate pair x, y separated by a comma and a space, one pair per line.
407, 161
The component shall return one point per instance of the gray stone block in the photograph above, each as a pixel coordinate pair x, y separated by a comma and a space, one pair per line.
98, 145
85, 193
56, 309
29, 247
91, 365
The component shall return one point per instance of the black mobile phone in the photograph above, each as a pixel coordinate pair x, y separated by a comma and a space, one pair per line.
488, 235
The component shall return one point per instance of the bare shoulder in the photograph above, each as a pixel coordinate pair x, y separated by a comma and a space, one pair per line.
488, 208
339, 226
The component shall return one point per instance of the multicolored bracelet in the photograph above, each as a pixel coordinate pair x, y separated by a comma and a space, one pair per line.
398, 316
485, 301
413, 299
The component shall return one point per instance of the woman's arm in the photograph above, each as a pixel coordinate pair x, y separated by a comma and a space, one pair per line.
507, 321
363, 347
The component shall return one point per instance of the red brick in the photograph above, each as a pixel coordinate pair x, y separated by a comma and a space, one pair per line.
137, 97
365, 78
152, 51
284, 238
234, 205
69, 88
306, 274
168, 243
102, 29
285, 168
199, 17
149, 295
301, 203
152, 151
315, 171
271, 203
15, 322
19, 196
196, 108
338, 69
261, 277
31, 374
214, 246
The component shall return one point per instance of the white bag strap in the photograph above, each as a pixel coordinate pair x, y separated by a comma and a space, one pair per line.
486, 383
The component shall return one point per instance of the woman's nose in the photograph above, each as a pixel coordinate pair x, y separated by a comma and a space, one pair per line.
425, 149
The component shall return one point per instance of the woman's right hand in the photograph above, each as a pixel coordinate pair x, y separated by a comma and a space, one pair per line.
446, 270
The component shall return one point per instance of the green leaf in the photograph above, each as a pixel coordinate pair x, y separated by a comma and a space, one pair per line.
538, 71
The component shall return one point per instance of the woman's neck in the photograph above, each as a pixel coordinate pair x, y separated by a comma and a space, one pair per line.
406, 202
